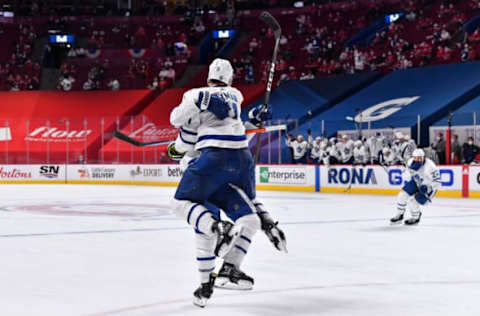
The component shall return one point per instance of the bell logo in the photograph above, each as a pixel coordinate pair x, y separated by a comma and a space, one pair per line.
383, 110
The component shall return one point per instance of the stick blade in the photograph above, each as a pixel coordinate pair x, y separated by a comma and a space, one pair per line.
271, 22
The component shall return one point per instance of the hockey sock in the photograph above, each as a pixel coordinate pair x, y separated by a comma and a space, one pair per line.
205, 246
197, 215
402, 199
250, 224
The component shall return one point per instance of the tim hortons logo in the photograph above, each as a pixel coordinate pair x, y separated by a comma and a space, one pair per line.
149, 130
53, 134
14, 174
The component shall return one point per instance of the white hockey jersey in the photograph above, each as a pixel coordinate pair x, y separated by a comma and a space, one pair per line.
428, 174
405, 151
387, 157
347, 151
316, 150
360, 155
299, 148
212, 132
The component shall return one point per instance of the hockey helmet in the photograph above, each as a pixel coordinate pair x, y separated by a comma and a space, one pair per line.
221, 70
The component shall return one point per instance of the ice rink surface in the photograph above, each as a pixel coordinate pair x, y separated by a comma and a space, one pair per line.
117, 250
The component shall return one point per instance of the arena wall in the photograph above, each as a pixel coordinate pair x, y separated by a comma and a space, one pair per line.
457, 181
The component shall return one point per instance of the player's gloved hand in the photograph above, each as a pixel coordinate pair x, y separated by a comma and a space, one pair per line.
219, 107
213, 103
425, 189
173, 153
257, 116
274, 234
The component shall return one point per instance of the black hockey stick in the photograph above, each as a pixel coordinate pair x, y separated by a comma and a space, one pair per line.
277, 31
137, 143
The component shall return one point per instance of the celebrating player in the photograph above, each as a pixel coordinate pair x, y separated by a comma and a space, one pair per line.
223, 175
419, 190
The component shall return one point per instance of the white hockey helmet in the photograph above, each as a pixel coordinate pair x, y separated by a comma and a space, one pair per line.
386, 150
358, 143
399, 135
418, 153
221, 70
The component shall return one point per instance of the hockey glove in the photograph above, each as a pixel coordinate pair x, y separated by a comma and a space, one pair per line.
274, 234
425, 190
214, 104
257, 116
173, 153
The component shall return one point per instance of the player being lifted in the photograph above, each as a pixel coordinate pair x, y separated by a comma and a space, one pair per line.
423, 182
223, 176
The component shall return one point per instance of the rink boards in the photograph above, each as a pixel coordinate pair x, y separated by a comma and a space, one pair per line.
457, 181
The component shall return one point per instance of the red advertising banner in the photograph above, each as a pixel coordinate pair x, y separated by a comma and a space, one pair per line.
55, 127
77, 127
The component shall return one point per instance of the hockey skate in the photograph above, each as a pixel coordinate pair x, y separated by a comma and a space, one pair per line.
227, 234
397, 219
229, 277
414, 220
203, 293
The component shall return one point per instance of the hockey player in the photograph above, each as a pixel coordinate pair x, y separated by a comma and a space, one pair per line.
223, 175
347, 150
299, 147
374, 146
386, 157
360, 154
423, 181
316, 150
403, 148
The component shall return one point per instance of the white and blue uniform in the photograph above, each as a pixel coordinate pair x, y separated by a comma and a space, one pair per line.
211, 131
422, 180
299, 150
223, 175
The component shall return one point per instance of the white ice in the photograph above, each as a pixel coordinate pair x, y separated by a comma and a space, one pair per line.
116, 250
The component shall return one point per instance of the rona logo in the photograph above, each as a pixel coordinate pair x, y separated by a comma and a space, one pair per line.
263, 174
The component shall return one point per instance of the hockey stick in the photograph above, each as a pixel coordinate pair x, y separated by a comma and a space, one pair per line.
277, 31
137, 143
351, 180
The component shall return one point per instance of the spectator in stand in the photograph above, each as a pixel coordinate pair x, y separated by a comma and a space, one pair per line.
467, 54
470, 150
66, 83
475, 36
456, 150
307, 76
114, 85
249, 75
439, 147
